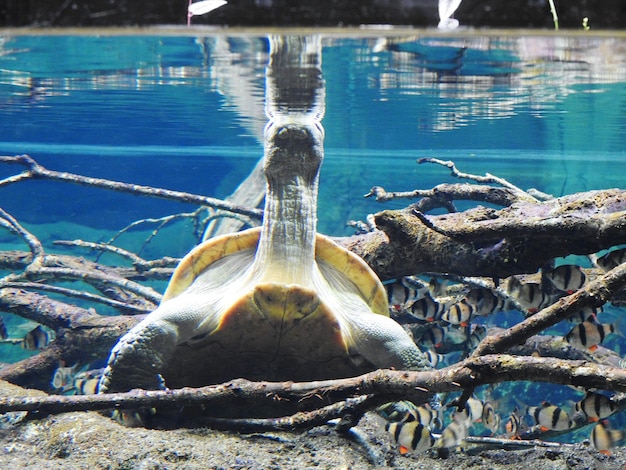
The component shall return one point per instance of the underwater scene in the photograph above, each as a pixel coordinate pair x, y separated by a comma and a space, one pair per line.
120, 152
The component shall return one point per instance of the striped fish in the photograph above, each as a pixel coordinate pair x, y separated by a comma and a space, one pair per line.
603, 438
566, 278
472, 412
477, 334
459, 313
403, 291
411, 436
37, 338
612, 259
453, 435
491, 419
513, 426
86, 386
425, 309
550, 417
433, 338
529, 295
589, 334
584, 314
484, 301
434, 358
596, 406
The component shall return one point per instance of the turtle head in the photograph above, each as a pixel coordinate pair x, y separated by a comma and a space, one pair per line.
293, 150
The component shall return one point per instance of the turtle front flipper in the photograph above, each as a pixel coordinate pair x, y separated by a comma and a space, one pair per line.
138, 358
384, 343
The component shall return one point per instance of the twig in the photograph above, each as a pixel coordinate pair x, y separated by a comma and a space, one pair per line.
132, 257
35, 171
138, 262
488, 178
161, 221
122, 306
448, 192
90, 277
299, 420
35, 246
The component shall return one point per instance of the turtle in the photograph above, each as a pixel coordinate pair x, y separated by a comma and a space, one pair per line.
277, 302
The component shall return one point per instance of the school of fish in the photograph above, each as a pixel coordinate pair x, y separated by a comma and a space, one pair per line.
447, 320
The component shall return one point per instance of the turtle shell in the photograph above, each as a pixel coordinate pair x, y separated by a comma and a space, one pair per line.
273, 330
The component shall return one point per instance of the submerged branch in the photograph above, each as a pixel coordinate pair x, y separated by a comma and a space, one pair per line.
493, 243
35, 171
380, 386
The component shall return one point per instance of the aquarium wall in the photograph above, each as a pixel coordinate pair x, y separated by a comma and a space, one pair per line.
476, 13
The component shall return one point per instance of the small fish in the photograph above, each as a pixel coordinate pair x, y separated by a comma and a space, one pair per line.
434, 358
550, 417
396, 410
63, 378
455, 334
513, 426
398, 295
603, 438
426, 415
529, 295
459, 313
566, 278
406, 411
453, 435
420, 287
477, 334
584, 314
589, 334
425, 309
491, 419
411, 436
472, 412
86, 386
596, 406
484, 301
612, 259
37, 338
433, 337
133, 419
4, 333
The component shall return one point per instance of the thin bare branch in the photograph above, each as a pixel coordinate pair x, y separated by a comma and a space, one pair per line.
35, 171
488, 178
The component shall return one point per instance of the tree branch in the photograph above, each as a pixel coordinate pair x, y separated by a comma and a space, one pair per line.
493, 243
35, 171
380, 386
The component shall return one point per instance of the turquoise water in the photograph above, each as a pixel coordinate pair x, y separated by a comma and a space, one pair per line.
187, 113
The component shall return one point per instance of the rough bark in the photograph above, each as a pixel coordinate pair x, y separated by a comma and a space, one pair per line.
493, 243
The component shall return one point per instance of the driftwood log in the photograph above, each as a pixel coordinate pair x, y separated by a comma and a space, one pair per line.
519, 238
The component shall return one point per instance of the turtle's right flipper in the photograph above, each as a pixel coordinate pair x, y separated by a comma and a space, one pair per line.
137, 359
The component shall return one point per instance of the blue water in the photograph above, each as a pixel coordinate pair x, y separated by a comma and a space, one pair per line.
187, 113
